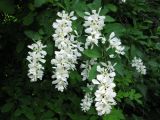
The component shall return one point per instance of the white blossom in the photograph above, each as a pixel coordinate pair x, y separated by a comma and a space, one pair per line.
116, 44
138, 64
86, 102
69, 49
36, 59
86, 66
123, 1
94, 23
104, 95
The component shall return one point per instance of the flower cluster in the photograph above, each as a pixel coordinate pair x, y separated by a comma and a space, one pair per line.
116, 44
66, 58
87, 101
138, 64
35, 59
104, 95
86, 66
94, 23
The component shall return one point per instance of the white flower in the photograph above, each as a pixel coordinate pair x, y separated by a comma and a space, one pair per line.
86, 102
123, 1
138, 64
86, 66
104, 95
116, 44
69, 49
36, 59
94, 23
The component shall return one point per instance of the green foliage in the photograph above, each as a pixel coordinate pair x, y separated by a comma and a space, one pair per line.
22, 22
93, 53
115, 115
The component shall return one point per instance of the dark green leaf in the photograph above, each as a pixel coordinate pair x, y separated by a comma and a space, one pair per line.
7, 107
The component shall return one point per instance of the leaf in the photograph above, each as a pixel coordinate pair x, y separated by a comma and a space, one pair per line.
46, 115
104, 10
112, 7
7, 107
135, 51
92, 53
95, 5
116, 27
80, 13
20, 46
79, 7
27, 20
7, 6
49, 48
120, 69
32, 35
93, 72
74, 76
39, 3
18, 112
109, 19
116, 114
28, 112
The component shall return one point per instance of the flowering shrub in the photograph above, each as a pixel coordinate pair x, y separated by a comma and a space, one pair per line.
80, 60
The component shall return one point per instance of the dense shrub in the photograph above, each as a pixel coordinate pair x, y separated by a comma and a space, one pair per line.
23, 22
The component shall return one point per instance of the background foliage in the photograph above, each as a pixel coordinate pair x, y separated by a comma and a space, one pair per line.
21, 21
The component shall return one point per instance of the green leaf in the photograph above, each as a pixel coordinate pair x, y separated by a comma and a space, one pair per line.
95, 5
39, 3
7, 107
27, 20
112, 7
116, 27
93, 72
18, 112
20, 46
49, 48
109, 19
92, 53
7, 6
79, 7
120, 69
74, 76
47, 115
116, 114
104, 11
135, 51
80, 13
28, 112
33, 35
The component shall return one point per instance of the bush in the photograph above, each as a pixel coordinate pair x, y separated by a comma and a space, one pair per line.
135, 22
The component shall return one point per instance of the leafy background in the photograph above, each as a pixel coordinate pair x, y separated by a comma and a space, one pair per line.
136, 22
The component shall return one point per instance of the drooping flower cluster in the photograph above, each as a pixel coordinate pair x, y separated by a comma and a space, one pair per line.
104, 95
94, 23
116, 44
87, 101
86, 66
138, 64
66, 58
36, 59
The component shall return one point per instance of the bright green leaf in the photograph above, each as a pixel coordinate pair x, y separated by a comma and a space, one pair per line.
93, 72
92, 53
